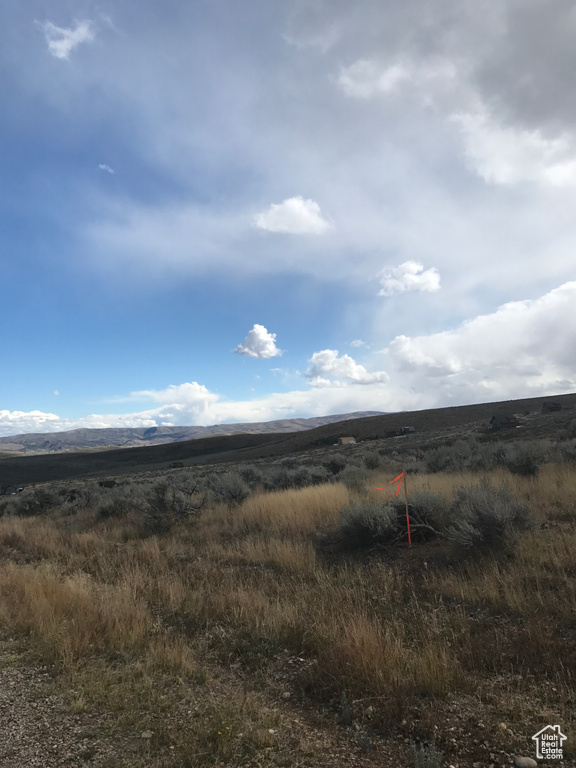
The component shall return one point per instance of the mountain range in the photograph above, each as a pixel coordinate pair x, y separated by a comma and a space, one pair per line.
118, 437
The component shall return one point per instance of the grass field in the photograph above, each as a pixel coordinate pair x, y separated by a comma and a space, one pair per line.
240, 610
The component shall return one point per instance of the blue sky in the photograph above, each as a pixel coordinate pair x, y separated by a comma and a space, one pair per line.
214, 211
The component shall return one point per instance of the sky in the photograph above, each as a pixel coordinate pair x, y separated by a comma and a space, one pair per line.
216, 212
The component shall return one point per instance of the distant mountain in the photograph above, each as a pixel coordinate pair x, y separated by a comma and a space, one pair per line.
85, 439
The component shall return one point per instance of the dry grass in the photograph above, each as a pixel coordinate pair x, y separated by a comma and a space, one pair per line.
246, 585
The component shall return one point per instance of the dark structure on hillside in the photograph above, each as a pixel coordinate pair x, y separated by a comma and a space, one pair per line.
400, 432
10, 490
550, 407
504, 421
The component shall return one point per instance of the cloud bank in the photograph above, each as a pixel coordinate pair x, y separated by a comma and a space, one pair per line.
516, 351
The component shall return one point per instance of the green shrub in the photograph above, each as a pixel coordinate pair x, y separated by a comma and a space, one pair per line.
566, 451
278, 478
444, 459
569, 432
486, 518
229, 488
251, 475
525, 458
364, 525
427, 508
354, 478
319, 475
36, 501
335, 464
371, 460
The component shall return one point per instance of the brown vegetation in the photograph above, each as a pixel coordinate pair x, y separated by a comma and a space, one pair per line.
243, 601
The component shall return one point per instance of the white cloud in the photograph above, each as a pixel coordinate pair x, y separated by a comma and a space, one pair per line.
510, 155
259, 343
294, 216
56, 392
14, 422
522, 347
409, 276
327, 368
358, 343
194, 397
368, 78
105, 167
365, 79
63, 40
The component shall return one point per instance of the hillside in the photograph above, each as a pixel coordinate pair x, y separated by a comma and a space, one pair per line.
82, 439
433, 426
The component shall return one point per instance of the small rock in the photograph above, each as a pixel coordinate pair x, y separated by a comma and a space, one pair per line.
477, 765
286, 695
525, 762
147, 734
502, 726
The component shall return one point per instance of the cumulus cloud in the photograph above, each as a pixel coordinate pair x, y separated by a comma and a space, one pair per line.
409, 276
294, 216
259, 343
358, 343
14, 422
196, 398
328, 368
63, 40
503, 154
107, 168
522, 347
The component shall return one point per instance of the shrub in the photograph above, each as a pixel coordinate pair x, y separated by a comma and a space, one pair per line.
119, 502
251, 475
444, 459
290, 462
335, 464
569, 431
371, 460
278, 478
354, 478
364, 525
525, 458
486, 517
318, 475
427, 508
566, 451
229, 488
36, 501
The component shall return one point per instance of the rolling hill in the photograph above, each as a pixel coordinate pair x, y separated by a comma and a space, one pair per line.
433, 427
